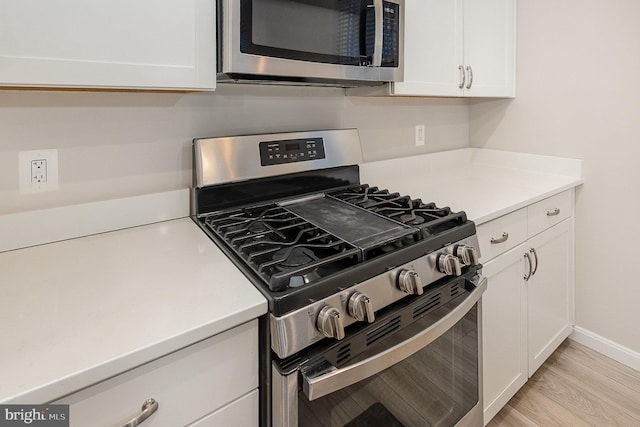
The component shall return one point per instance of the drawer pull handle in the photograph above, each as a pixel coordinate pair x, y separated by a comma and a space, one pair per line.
503, 239
148, 408
554, 212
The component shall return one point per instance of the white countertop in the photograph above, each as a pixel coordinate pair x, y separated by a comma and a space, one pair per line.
485, 184
78, 311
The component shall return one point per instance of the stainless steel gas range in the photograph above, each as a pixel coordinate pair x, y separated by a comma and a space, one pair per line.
374, 297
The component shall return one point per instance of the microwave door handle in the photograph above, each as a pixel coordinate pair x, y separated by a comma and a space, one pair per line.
318, 383
379, 33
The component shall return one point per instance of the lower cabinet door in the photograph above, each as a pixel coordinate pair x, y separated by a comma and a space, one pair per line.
188, 385
550, 292
504, 329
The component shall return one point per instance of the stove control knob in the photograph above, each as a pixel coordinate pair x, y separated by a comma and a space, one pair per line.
467, 254
330, 323
360, 307
449, 265
409, 282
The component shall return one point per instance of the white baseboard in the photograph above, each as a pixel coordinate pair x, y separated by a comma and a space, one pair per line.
617, 352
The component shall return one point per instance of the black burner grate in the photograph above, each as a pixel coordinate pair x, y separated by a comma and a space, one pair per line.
428, 217
281, 247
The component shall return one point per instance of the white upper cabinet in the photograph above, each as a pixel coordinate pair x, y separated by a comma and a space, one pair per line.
140, 44
459, 48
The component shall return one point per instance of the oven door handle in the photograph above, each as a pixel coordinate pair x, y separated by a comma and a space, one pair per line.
317, 384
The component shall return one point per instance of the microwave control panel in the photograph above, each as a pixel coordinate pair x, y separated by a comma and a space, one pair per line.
291, 151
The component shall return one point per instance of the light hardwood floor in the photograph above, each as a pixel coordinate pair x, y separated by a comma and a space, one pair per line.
576, 386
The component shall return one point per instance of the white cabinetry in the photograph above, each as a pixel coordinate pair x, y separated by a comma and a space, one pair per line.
145, 44
211, 383
528, 305
459, 48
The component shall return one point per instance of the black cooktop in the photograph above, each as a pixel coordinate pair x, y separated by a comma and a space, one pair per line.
307, 248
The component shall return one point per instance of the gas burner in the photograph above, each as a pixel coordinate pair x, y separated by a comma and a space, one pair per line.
366, 197
281, 247
258, 227
413, 212
253, 223
294, 257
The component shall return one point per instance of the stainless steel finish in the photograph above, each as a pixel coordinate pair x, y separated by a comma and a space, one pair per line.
468, 255
316, 385
475, 417
554, 212
470, 71
230, 159
528, 275
449, 264
284, 399
301, 199
535, 256
463, 76
236, 62
297, 330
410, 283
377, 47
504, 238
329, 322
360, 308
148, 408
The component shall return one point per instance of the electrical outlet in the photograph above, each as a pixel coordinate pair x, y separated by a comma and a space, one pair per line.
38, 171
420, 135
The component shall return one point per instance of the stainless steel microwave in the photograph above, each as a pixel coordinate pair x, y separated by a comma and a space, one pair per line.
310, 42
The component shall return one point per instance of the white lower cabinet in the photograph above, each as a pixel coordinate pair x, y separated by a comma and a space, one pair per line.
528, 305
210, 383
504, 331
550, 293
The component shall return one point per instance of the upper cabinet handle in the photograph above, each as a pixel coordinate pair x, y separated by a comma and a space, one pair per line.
463, 77
554, 212
148, 408
470, 71
503, 239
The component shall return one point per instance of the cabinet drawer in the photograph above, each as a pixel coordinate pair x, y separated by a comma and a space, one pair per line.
549, 212
187, 384
242, 412
506, 232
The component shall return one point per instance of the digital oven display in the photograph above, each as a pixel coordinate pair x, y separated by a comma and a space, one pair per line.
291, 151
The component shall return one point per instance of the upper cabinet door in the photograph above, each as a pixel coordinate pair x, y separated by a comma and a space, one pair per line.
433, 43
140, 44
458, 48
489, 47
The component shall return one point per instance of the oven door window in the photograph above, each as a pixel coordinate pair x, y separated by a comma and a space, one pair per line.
327, 31
436, 386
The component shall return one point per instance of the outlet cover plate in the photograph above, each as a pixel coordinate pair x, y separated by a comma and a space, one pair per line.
26, 161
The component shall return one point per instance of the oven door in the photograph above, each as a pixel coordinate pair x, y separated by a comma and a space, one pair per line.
324, 39
427, 374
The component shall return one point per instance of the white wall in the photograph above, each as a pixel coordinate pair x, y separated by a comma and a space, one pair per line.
123, 144
578, 95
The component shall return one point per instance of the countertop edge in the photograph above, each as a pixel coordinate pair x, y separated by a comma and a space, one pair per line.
525, 202
62, 387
